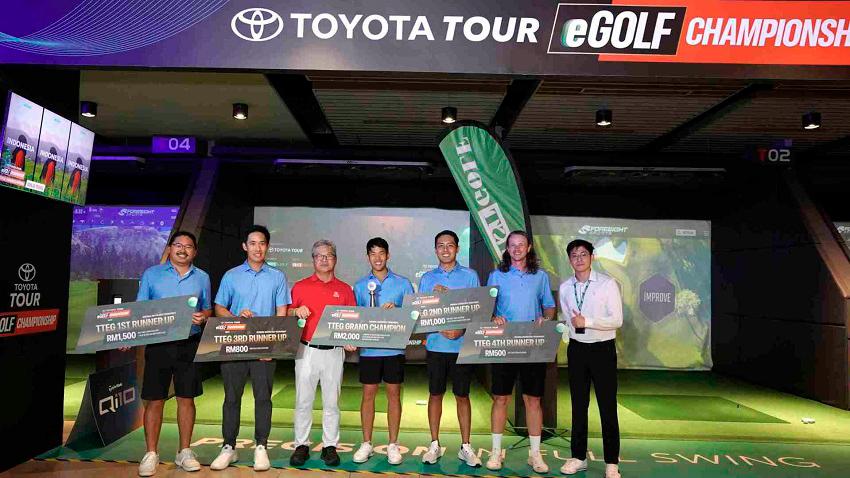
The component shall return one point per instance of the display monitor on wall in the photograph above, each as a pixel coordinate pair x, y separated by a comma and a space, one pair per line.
49, 168
76, 181
44, 153
663, 268
409, 232
21, 129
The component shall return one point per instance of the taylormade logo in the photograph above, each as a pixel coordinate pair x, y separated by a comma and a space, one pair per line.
602, 230
489, 212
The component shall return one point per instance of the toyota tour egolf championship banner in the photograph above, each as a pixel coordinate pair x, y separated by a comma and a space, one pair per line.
719, 38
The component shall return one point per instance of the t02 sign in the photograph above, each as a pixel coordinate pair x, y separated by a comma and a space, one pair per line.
173, 145
778, 156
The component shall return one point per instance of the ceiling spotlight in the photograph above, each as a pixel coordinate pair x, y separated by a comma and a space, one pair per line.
811, 120
449, 114
604, 118
88, 109
240, 111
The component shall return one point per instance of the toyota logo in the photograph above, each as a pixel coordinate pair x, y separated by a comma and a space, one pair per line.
258, 23
26, 272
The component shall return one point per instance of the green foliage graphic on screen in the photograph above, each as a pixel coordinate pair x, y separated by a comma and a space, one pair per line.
486, 179
664, 272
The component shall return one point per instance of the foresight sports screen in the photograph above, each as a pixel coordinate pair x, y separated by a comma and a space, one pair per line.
664, 272
409, 232
99, 237
102, 234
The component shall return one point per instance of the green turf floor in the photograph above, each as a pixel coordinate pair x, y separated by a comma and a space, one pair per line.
82, 294
764, 414
639, 458
653, 404
692, 408
414, 396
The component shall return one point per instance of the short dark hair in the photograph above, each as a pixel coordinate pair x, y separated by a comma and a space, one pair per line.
377, 242
579, 243
183, 234
446, 233
531, 260
261, 229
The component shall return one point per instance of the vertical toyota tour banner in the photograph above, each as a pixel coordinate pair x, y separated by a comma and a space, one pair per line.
487, 179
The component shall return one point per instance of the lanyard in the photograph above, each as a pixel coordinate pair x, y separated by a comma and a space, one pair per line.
580, 302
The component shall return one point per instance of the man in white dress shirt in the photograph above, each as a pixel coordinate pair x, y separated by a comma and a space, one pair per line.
593, 303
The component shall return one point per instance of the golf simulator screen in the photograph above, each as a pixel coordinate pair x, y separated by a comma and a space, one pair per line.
118, 242
664, 272
409, 232
44, 153
112, 242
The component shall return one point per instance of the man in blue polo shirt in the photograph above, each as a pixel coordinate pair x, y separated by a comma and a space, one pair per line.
442, 351
164, 361
524, 296
251, 289
380, 288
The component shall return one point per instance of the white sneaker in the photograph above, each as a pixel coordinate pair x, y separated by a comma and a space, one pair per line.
433, 454
187, 460
612, 471
363, 453
573, 466
261, 459
394, 454
536, 462
494, 463
468, 456
147, 467
225, 457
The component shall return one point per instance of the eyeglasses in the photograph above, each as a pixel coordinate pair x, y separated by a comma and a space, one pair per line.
178, 246
324, 257
582, 255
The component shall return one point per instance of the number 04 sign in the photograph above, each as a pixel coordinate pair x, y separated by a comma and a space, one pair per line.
173, 145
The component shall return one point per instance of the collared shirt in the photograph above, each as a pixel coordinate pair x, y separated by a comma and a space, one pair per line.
392, 289
162, 281
261, 292
522, 296
316, 294
459, 277
602, 307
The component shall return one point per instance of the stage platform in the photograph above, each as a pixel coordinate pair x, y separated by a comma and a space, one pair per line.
658, 458
673, 424
653, 404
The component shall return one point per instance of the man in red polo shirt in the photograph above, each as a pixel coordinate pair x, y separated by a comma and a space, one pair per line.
317, 363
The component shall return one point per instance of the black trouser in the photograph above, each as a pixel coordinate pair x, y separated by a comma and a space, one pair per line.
234, 375
594, 363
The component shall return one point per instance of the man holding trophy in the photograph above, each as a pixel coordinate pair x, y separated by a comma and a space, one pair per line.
380, 288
